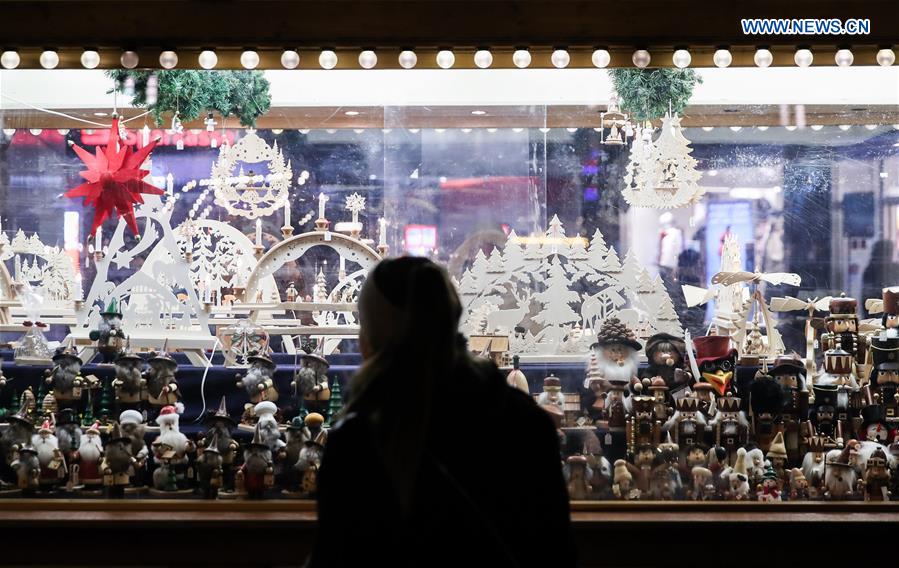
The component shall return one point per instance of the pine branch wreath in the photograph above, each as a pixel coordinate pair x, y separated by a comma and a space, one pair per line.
192, 93
645, 93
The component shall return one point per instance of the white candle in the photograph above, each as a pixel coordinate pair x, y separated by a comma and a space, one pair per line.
207, 291
79, 291
322, 199
287, 213
169, 183
258, 232
98, 239
342, 264
145, 135
382, 225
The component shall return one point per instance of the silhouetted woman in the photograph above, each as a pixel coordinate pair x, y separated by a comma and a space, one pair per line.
437, 462
882, 271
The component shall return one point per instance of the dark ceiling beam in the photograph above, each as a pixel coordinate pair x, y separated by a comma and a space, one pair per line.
423, 23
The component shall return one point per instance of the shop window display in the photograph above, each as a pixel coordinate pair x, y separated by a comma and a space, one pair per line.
700, 292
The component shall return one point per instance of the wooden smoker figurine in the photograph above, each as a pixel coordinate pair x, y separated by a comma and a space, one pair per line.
109, 335
311, 382
259, 380
65, 378
129, 382
162, 385
219, 425
118, 463
257, 474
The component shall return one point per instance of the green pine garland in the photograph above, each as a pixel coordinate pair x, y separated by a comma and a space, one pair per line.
192, 94
645, 93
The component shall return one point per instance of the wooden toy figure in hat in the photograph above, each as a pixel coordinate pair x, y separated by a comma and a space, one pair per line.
789, 372
297, 435
16, 435
822, 421
259, 380
888, 306
577, 476
65, 379
616, 350
643, 427
739, 478
68, 432
27, 468
730, 426
311, 382
86, 471
777, 456
799, 486
876, 482
716, 362
219, 425
118, 463
310, 459
665, 359
516, 378
109, 335
842, 332
703, 486
256, 475
874, 420
687, 425
623, 486
769, 489
839, 476
210, 475
161, 383
50, 457
134, 427
765, 404
129, 382
885, 377
170, 449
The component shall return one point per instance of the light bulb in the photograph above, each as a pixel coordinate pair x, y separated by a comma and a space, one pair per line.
763, 58
736, 128
249, 59
844, 57
886, 57
408, 59
641, 58
483, 58
870, 126
168, 59
368, 59
90, 59
803, 57
35, 131
445, 59
560, 59
601, 58
49, 59
290, 59
208, 59
790, 127
722, 58
681, 58
708, 128
845, 127
9, 132
327, 59
521, 58
129, 59
816, 127
10, 59
63, 131
761, 128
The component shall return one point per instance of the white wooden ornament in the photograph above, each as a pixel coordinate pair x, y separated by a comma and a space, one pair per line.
47, 270
246, 195
662, 174
559, 292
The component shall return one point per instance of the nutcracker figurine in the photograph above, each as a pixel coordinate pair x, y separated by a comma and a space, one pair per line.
842, 333
765, 404
789, 372
730, 426
885, 378
643, 428
874, 426
838, 371
876, 482
109, 335
890, 311
688, 424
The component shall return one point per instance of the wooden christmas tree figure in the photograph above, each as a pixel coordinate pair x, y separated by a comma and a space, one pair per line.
321, 287
107, 396
556, 299
87, 417
335, 405
671, 178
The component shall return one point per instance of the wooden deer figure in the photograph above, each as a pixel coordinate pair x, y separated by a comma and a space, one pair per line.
506, 320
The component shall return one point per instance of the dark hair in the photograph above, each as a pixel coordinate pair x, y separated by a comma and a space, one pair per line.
394, 388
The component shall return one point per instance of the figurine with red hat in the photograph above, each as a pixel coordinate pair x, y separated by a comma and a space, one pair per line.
842, 332
86, 471
716, 360
53, 464
170, 449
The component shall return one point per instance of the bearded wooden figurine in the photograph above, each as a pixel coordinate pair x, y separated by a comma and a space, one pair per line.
259, 380
876, 482
17, 435
109, 335
50, 457
27, 468
311, 455
65, 379
133, 426
789, 372
687, 425
577, 474
616, 350
552, 400
118, 463
839, 476
170, 450
87, 472
257, 473
162, 386
665, 359
311, 382
209, 467
219, 425
68, 432
129, 382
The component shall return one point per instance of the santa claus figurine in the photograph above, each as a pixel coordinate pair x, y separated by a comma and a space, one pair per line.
170, 449
90, 452
133, 426
257, 474
53, 465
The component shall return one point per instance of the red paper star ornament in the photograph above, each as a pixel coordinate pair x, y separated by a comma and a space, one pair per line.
114, 180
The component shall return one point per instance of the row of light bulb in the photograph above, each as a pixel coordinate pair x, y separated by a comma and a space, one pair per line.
446, 59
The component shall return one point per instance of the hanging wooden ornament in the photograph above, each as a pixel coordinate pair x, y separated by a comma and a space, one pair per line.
243, 191
662, 174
